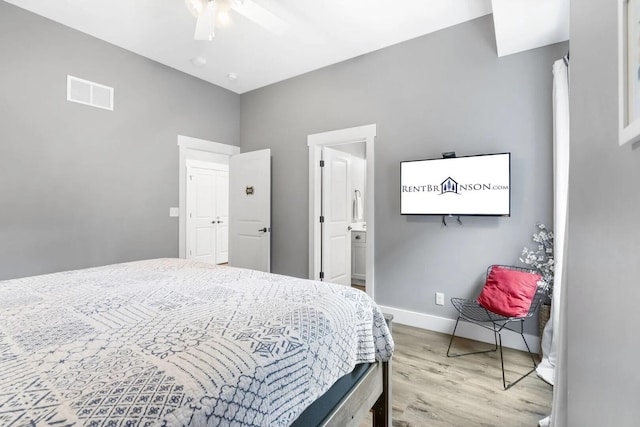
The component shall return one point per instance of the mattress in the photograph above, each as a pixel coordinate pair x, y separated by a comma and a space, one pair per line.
176, 342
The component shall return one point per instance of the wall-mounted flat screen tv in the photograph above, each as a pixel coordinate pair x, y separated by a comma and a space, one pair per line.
471, 185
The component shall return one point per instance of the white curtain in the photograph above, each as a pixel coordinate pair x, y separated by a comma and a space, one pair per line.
553, 342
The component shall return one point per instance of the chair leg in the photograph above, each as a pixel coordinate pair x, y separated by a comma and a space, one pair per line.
453, 334
472, 352
504, 381
498, 346
507, 387
529, 350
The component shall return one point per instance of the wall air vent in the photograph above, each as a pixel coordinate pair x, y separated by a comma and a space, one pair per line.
89, 93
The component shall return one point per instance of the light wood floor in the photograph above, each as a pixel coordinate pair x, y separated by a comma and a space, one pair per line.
431, 389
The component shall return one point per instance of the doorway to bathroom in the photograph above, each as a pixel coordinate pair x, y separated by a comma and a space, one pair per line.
341, 217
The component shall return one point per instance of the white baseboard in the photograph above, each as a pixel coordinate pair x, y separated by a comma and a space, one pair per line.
466, 330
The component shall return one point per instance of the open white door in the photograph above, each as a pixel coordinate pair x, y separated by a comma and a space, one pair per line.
250, 210
336, 229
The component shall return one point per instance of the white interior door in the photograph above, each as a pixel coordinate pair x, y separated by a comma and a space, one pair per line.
207, 222
336, 229
250, 210
201, 214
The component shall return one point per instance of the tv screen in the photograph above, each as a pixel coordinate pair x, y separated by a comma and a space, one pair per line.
472, 185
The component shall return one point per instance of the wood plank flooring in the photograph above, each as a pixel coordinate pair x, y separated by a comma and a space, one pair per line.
431, 389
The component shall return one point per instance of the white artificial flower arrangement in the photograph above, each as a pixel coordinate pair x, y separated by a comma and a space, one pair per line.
541, 259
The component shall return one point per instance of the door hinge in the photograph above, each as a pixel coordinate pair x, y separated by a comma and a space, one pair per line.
321, 275
321, 163
321, 218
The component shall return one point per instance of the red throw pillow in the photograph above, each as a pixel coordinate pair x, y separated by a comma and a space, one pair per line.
509, 292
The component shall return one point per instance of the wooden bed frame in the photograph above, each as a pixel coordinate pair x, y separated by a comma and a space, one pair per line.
372, 392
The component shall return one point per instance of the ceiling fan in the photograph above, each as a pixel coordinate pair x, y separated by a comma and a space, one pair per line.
210, 11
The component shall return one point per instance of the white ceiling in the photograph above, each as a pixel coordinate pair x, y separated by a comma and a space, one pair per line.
519, 26
320, 32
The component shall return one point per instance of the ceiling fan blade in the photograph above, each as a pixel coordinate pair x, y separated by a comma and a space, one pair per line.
196, 7
261, 16
206, 24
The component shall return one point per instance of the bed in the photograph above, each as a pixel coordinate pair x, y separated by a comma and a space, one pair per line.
175, 342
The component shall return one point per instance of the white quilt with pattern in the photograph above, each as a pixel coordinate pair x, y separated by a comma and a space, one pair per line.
171, 342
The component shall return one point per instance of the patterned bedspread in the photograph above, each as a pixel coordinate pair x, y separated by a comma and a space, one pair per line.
173, 342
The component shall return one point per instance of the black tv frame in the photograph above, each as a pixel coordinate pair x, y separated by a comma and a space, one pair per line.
456, 214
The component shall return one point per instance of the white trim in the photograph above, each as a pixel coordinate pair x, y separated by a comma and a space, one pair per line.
187, 144
207, 165
342, 136
628, 130
315, 142
465, 329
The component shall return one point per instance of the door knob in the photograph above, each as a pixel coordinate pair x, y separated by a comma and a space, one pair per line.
349, 228
264, 230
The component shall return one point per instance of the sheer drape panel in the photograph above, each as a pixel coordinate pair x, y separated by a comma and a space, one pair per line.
553, 342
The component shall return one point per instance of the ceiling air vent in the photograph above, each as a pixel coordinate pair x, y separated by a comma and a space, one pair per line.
89, 93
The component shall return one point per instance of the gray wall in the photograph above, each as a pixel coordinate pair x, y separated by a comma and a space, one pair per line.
446, 91
80, 186
604, 236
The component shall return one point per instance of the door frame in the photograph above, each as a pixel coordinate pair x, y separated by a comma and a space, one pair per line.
316, 142
189, 148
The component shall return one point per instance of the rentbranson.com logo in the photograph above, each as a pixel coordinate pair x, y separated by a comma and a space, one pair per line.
450, 185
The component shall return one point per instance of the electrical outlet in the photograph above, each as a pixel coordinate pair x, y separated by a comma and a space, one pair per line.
439, 298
